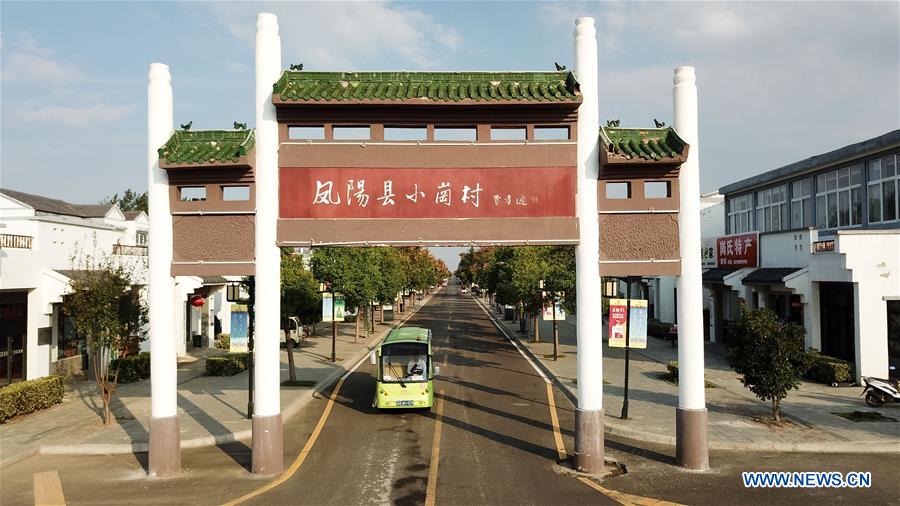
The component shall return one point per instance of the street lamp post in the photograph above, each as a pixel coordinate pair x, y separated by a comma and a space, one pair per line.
327, 287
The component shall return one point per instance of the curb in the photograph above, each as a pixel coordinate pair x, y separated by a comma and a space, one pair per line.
287, 412
613, 428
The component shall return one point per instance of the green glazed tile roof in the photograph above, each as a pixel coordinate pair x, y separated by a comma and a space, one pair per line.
420, 87
650, 144
207, 146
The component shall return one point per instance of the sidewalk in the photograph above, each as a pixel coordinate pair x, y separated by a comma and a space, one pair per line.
732, 407
212, 409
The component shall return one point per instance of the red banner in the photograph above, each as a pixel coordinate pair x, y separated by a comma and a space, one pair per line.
426, 193
737, 251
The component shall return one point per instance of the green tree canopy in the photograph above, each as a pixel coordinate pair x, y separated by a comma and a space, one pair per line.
129, 201
299, 290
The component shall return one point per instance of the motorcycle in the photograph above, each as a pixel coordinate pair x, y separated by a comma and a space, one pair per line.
879, 391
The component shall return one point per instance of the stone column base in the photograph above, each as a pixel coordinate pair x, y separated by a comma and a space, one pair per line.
165, 447
691, 450
589, 445
268, 446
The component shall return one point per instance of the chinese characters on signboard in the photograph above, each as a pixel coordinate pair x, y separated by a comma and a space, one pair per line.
708, 253
637, 321
737, 251
426, 193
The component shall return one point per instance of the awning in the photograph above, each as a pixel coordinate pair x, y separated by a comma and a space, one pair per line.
768, 275
214, 280
716, 275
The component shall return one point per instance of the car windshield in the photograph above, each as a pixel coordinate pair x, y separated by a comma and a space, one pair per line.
404, 362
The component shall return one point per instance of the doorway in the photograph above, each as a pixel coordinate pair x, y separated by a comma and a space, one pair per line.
837, 315
13, 329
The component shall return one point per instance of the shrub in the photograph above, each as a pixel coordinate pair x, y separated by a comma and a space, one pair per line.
828, 370
29, 396
223, 341
768, 354
132, 367
227, 365
672, 366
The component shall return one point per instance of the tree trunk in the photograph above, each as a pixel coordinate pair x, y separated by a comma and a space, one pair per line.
776, 409
372, 328
381, 318
356, 332
292, 374
537, 329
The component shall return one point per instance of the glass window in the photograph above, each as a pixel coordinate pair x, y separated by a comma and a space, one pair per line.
874, 170
837, 201
740, 212
856, 205
843, 209
404, 363
882, 189
821, 221
832, 210
875, 203
889, 200
888, 166
771, 208
141, 238
801, 204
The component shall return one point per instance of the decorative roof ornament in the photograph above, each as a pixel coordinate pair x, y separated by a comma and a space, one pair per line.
659, 124
559, 67
297, 66
187, 126
613, 122
240, 126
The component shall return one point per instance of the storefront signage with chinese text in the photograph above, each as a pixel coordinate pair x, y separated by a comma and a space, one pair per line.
738, 251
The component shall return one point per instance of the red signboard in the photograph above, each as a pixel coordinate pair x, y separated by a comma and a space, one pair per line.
427, 193
737, 251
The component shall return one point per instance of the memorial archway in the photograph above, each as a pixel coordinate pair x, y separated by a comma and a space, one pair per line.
406, 158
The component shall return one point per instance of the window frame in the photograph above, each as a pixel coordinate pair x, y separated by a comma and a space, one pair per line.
833, 192
875, 187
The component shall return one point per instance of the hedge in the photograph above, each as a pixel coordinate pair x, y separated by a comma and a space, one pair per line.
131, 367
828, 370
672, 366
227, 365
29, 396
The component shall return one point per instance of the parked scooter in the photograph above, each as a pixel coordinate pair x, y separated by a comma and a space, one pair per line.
879, 391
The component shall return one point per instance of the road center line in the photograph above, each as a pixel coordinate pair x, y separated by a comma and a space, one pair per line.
431, 489
295, 466
626, 499
48, 489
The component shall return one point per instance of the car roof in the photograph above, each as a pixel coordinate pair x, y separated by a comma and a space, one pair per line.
408, 334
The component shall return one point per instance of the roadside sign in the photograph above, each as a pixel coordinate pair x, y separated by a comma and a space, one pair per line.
617, 323
338, 307
240, 323
619, 331
547, 313
637, 320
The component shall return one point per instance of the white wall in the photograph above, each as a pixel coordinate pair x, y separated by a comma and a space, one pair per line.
874, 259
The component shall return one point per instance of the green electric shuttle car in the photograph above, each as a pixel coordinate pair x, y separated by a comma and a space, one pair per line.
404, 370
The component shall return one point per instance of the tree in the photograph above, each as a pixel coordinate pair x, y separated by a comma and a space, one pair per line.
768, 354
391, 278
129, 201
107, 310
299, 290
351, 272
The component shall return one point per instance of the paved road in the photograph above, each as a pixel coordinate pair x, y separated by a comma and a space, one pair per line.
497, 442
496, 446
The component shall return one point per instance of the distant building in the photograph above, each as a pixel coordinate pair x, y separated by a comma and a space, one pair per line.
827, 233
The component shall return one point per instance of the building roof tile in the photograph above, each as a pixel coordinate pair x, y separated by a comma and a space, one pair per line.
55, 206
427, 87
202, 147
643, 144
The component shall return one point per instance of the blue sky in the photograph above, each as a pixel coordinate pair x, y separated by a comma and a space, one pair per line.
778, 82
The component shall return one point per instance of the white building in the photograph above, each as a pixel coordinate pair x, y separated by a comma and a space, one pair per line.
41, 241
828, 251
41, 244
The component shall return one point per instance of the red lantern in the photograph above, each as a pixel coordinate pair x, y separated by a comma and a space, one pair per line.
197, 301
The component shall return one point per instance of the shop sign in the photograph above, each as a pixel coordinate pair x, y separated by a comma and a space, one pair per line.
708, 253
335, 192
738, 251
327, 307
240, 325
548, 314
618, 326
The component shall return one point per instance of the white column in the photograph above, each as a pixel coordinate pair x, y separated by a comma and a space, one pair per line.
267, 409
691, 394
165, 452
589, 326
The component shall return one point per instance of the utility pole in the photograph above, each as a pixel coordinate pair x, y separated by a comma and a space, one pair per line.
627, 343
251, 300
